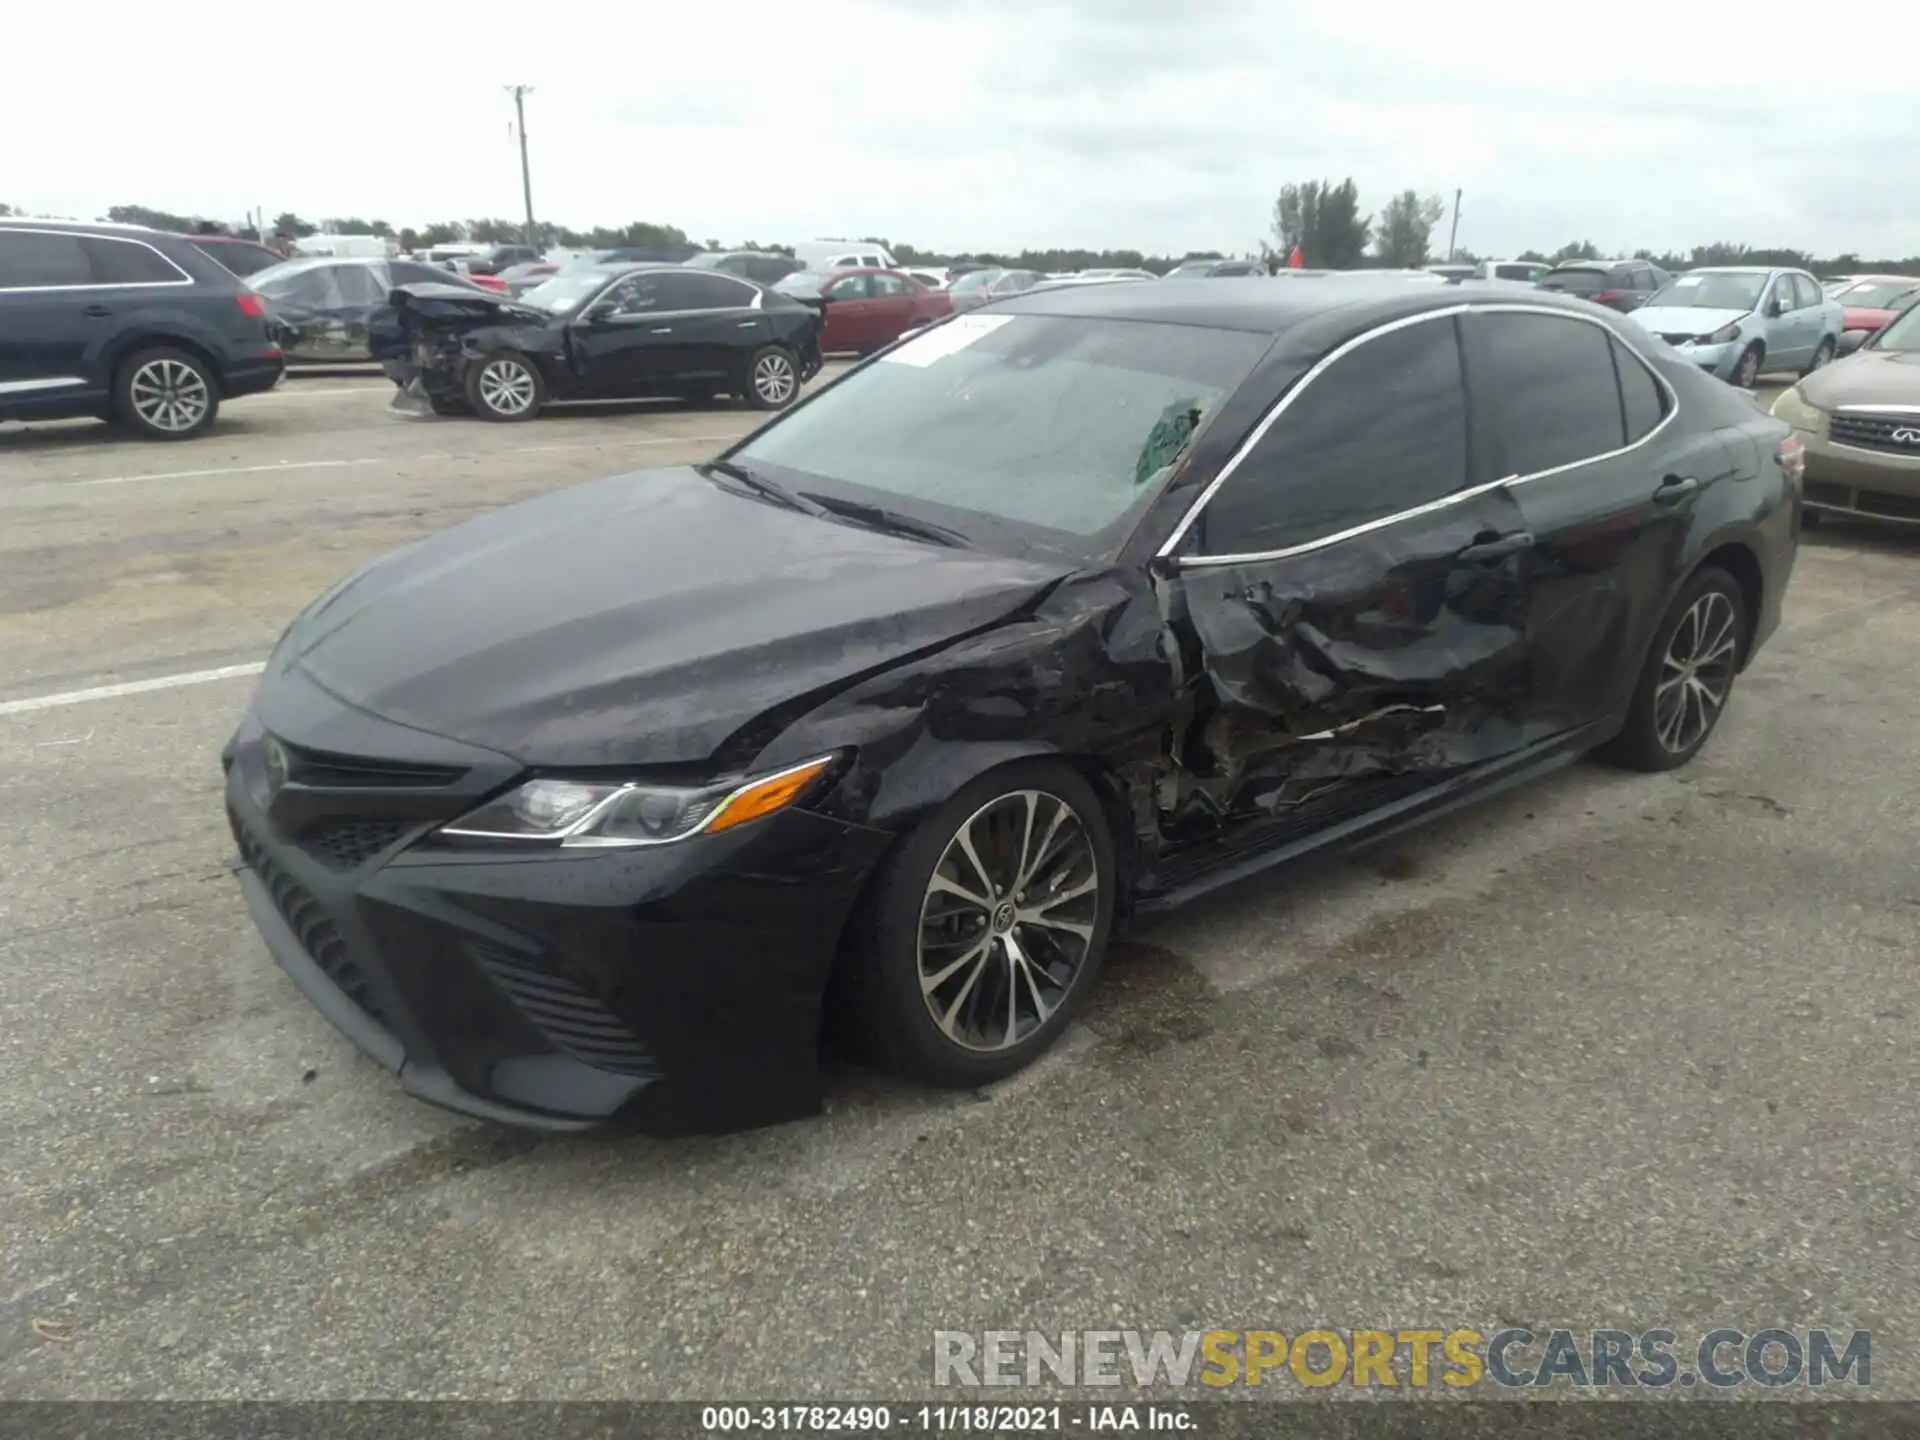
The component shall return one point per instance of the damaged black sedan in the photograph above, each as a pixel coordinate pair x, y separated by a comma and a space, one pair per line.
606, 805
595, 332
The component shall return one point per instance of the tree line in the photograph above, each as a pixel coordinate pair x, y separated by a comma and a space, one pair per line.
1320, 218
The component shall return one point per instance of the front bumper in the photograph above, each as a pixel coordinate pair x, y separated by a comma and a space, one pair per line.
1853, 480
675, 989
1717, 360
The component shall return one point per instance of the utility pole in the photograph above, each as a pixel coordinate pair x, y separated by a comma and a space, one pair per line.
1452, 235
520, 93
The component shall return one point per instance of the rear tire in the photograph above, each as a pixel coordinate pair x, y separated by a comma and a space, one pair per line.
165, 393
1688, 676
772, 379
963, 974
506, 387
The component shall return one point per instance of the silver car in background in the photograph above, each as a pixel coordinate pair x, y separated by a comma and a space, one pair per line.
1739, 321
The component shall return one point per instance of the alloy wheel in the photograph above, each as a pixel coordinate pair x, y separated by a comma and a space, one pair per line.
773, 379
1696, 673
506, 387
169, 395
1007, 920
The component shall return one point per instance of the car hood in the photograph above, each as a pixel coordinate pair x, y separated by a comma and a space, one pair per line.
1867, 377
639, 620
1686, 319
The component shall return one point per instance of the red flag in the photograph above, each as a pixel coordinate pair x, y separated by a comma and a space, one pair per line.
1293, 259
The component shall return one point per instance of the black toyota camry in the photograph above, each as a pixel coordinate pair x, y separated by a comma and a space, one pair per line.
1071, 608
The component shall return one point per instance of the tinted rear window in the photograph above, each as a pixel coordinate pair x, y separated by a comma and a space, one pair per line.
1579, 281
238, 259
125, 262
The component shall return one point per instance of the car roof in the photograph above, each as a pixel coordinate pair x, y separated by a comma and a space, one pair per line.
1257, 305
1739, 269
35, 222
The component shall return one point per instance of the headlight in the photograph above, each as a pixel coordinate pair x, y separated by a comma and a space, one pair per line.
591, 814
1793, 408
1725, 335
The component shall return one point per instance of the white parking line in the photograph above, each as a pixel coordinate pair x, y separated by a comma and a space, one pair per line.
130, 687
400, 459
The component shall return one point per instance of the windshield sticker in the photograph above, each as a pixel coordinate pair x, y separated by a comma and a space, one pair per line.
1685, 281
948, 339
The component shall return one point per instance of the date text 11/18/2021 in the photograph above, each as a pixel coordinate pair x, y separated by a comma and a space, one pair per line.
943, 1419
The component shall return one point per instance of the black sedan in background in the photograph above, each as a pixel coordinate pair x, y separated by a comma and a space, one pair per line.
596, 332
319, 306
602, 805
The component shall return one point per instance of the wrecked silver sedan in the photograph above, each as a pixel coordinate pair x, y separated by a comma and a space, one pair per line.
888, 716
595, 332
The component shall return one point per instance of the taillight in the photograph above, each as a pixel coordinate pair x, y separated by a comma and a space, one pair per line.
1793, 457
1606, 297
251, 305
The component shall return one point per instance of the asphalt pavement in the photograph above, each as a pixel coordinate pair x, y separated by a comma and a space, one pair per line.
1612, 1050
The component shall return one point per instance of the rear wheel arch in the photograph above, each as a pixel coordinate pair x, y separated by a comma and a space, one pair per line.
1739, 560
137, 340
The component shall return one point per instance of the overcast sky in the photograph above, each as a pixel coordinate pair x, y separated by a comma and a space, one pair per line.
1165, 125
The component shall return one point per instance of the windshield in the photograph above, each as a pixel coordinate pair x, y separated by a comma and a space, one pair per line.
565, 289
975, 279
1198, 267
1874, 294
803, 282
706, 260
1018, 431
1711, 290
1902, 335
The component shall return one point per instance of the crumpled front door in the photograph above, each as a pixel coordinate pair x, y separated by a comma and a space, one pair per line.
1386, 661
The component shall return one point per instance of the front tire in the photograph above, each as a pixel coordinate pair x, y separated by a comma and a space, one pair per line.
987, 927
1822, 354
165, 394
1746, 369
506, 387
1688, 677
773, 378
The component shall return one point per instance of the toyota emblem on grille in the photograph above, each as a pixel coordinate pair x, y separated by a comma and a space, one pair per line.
277, 764
1906, 437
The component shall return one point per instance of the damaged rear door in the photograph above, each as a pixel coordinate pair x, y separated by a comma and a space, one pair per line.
1351, 599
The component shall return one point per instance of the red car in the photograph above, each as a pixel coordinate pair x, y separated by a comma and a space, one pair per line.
1871, 301
865, 309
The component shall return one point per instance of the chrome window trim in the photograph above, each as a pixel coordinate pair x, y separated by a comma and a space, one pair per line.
1320, 366
184, 280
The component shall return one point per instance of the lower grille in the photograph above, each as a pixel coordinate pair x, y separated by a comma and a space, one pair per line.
349, 844
1678, 339
1863, 502
1825, 492
1896, 434
317, 934
571, 1018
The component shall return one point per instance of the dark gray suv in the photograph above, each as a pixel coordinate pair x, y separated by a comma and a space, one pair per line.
125, 324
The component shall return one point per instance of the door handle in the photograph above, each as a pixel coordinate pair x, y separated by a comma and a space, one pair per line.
1675, 488
97, 312
748, 324
1496, 547
661, 330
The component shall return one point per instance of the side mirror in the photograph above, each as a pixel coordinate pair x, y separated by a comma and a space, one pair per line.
1852, 340
1776, 307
